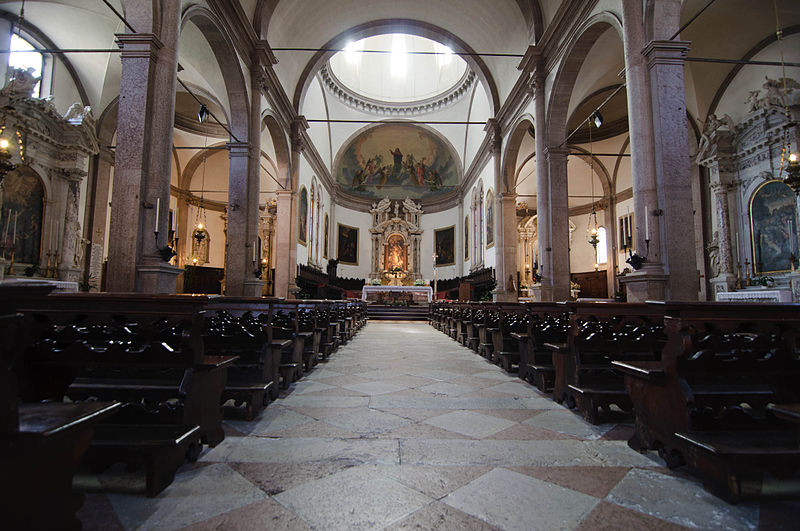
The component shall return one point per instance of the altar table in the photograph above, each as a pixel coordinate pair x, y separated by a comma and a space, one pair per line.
419, 293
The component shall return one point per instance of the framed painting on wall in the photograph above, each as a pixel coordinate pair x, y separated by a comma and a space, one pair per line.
347, 244
466, 237
302, 216
325, 239
489, 219
773, 227
444, 244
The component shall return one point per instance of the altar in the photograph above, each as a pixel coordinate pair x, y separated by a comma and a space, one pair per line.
414, 294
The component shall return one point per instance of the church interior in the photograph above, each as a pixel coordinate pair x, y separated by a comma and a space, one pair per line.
408, 217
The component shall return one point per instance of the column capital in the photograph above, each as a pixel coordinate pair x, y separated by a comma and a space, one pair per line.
283, 194
238, 149
507, 197
299, 126
556, 151
666, 52
531, 60
138, 45
492, 129
263, 53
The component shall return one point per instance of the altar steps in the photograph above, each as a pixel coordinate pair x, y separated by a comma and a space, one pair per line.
378, 312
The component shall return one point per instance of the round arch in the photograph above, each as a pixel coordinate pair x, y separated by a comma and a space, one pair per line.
408, 26
509, 162
270, 122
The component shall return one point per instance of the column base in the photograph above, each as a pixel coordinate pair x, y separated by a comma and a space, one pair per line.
504, 296
69, 273
722, 283
252, 288
542, 293
645, 285
157, 278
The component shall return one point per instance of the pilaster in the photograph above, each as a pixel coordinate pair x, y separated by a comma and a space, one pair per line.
556, 251
239, 242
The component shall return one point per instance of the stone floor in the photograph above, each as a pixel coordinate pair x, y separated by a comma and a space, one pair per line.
405, 429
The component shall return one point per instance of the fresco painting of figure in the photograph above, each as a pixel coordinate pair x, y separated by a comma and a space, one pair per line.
421, 164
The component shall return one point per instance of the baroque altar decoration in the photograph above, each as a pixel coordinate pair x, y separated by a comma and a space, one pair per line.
51, 153
396, 241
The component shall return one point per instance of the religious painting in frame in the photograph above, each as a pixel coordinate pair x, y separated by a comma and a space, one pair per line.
773, 227
466, 237
444, 245
489, 219
325, 239
397, 161
302, 216
347, 244
22, 212
396, 253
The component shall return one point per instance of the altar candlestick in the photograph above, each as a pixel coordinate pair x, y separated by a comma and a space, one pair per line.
14, 242
8, 222
738, 250
254, 250
646, 223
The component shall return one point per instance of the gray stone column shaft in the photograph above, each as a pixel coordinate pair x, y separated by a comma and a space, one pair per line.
640, 124
557, 252
544, 229
666, 63
508, 244
252, 286
722, 221
131, 160
239, 239
97, 212
283, 241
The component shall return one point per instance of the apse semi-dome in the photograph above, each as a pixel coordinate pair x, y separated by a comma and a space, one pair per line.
397, 161
398, 68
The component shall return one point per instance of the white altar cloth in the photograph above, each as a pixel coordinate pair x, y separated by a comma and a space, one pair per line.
756, 295
415, 290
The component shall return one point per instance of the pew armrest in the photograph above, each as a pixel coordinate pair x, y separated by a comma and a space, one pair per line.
787, 412
557, 347
519, 336
652, 371
216, 362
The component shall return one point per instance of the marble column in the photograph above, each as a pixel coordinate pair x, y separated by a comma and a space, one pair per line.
128, 207
648, 283
283, 241
252, 285
507, 203
543, 291
556, 251
96, 231
299, 126
721, 172
673, 213
239, 241
71, 236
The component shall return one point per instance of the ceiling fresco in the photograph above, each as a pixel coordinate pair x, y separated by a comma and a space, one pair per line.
397, 161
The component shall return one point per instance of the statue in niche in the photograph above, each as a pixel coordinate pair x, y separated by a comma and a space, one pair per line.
707, 146
21, 83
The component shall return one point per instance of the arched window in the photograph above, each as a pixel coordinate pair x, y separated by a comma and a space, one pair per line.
602, 251
22, 56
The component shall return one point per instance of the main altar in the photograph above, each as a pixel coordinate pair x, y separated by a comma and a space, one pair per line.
408, 294
396, 242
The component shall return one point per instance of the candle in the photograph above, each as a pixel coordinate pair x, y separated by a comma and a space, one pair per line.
738, 252
158, 207
55, 238
175, 217
8, 222
646, 223
15, 229
254, 250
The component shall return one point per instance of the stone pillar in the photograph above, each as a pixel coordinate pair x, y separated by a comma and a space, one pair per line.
96, 230
283, 241
299, 125
70, 238
128, 208
670, 217
648, 283
544, 291
507, 246
556, 252
239, 249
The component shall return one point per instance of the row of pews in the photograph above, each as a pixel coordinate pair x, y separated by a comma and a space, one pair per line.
145, 380
714, 386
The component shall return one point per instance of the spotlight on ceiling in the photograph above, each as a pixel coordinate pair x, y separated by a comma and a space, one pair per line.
202, 114
597, 119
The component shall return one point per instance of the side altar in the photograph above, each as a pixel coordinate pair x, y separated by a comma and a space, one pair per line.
414, 294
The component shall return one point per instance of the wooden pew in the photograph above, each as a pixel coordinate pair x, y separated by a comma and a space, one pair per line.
709, 401
601, 332
548, 322
40, 444
505, 347
144, 351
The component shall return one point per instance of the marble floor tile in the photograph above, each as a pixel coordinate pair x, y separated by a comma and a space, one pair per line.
609, 517
681, 502
433, 481
437, 516
194, 496
357, 498
274, 478
565, 421
310, 386
271, 419
376, 388
470, 423
305, 450
517, 388
595, 481
370, 423
446, 389
521, 502
264, 514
